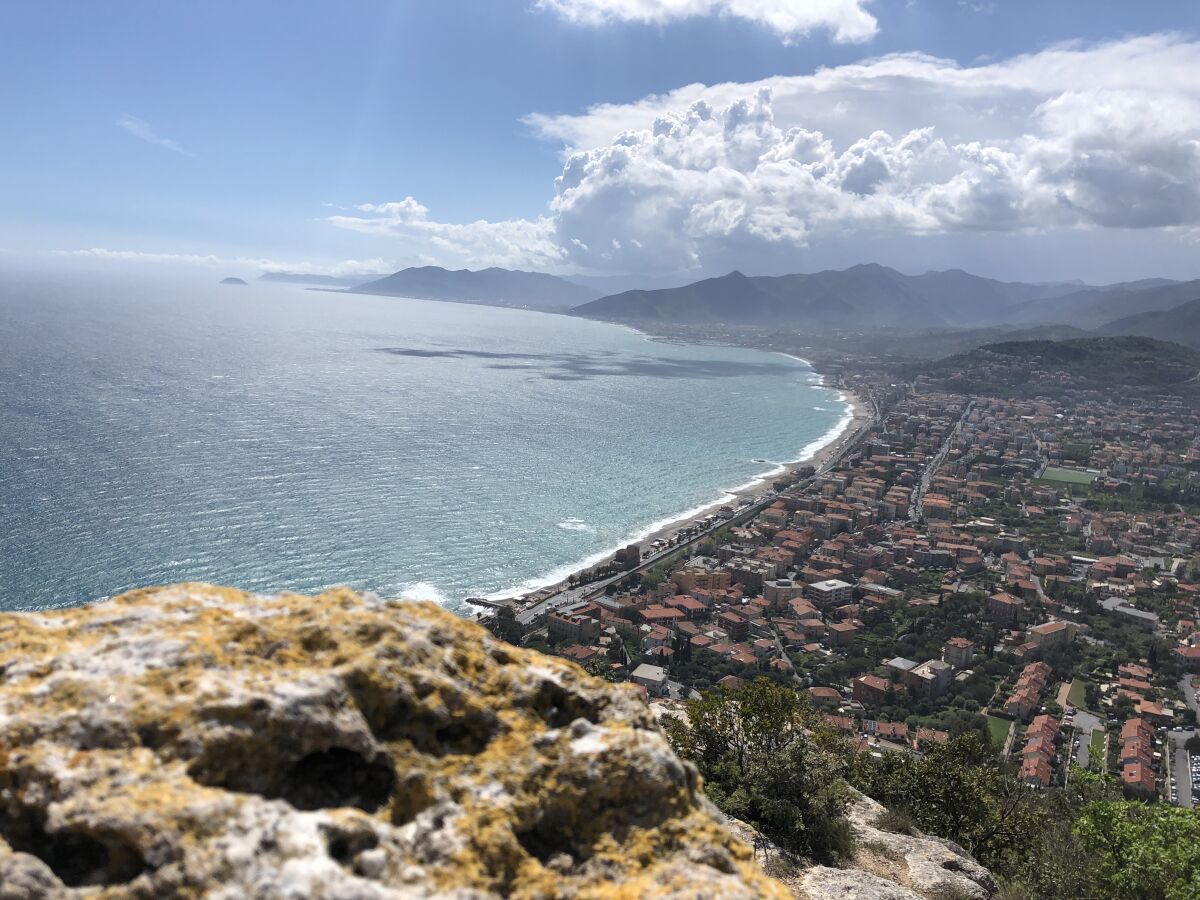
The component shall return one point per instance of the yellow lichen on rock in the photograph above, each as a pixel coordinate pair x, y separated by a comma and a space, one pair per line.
196, 741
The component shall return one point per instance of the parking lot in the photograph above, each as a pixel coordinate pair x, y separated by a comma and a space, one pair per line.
1185, 770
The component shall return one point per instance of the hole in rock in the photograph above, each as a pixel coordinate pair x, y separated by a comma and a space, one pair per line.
449, 724
558, 707
344, 846
337, 777
544, 841
77, 858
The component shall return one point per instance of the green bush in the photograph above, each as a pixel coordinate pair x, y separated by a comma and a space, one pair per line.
769, 760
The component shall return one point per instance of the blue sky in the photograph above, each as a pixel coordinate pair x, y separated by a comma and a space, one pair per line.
254, 132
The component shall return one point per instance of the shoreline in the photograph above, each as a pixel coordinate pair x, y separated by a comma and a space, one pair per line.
816, 453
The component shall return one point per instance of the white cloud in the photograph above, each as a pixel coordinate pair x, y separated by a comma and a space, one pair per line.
143, 130
1076, 137
847, 20
514, 242
899, 92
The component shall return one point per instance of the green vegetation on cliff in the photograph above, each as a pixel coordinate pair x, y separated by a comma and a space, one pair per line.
1027, 368
768, 759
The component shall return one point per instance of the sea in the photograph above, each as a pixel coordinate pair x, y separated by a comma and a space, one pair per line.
155, 429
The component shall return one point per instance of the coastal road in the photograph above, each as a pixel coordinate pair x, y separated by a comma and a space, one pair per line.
534, 614
540, 610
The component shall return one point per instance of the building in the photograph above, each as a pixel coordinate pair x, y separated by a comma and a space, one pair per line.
958, 652
652, 678
842, 633
871, 690
825, 695
734, 625
1028, 691
829, 593
750, 573
1004, 607
887, 731
1147, 621
1140, 779
1040, 750
901, 666
780, 590
1137, 743
701, 572
1053, 634
577, 629
930, 679
1190, 657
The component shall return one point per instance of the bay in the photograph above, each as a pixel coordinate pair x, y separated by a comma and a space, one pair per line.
155, 430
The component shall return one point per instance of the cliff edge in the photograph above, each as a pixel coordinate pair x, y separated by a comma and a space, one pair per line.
199, 741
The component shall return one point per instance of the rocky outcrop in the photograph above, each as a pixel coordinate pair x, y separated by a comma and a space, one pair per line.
198, 741
926, 864
885, 865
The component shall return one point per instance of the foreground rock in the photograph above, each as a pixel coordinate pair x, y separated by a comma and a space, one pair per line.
198, 741
885, 865
928, 865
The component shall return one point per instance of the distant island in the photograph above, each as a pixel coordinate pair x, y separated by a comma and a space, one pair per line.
232, 280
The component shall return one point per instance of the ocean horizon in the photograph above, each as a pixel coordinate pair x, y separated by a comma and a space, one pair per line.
276, 438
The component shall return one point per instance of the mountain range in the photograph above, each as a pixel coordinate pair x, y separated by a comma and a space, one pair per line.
873, 297
494, 287
862, 299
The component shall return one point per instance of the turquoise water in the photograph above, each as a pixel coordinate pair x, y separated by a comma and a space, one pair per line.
275, 438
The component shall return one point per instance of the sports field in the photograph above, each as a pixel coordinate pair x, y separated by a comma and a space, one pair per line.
1067, 476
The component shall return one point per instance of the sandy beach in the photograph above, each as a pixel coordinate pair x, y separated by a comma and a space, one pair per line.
857, 414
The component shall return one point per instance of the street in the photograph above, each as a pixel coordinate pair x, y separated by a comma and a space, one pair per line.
1085, 724
1181, 766
918, 496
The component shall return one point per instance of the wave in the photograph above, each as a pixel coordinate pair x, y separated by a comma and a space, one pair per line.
424, 590
573, 524
807, 452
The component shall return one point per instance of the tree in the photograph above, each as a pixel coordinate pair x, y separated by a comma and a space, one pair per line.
1142, 852
956, 790
769, 760
1123, 707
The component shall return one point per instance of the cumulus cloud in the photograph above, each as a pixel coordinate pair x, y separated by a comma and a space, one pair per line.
514, 242
846, 20
1074, 137
144, 131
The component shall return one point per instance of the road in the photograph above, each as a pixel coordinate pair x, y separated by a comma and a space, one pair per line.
1180, 758
1180, 766
918, 496
1189, 694
1085, 724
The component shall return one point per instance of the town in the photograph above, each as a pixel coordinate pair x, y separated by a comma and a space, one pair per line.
1021, 567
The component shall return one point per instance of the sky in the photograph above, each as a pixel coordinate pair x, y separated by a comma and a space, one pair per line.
682, 138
